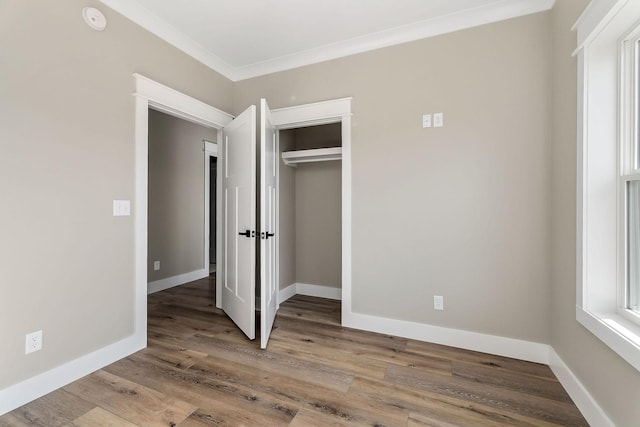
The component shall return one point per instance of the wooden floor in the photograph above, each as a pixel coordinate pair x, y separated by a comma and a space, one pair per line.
199, 370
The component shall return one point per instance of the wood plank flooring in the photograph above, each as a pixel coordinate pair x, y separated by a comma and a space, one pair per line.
199, 370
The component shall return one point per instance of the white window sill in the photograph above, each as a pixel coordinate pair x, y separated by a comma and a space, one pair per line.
622, 335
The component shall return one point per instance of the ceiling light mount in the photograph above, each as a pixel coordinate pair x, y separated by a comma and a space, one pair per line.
94, 18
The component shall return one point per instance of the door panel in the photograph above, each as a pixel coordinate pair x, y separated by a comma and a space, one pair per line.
268, 226
239, 198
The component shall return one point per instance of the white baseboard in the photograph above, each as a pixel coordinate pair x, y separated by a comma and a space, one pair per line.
24, 392
501, 346
286, 293
309, 290
587, 405
180, 279
319, 291
508, 347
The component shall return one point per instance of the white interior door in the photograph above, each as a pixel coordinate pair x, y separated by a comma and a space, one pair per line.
268, 229
239, 240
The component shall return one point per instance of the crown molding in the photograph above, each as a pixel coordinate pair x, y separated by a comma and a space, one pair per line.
494, 12
167, 32
498, 11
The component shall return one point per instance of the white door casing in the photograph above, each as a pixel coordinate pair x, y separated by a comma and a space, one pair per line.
210, 150
151, 94
319, 113
268, 223
239, 200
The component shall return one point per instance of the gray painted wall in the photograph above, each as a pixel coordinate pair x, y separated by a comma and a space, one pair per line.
67, 132
318, 136
176, 187
319, 223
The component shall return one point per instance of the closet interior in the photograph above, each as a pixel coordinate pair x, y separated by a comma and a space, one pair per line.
311, 209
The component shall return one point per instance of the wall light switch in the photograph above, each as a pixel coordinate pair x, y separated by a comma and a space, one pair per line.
426, 120
121, 207
438, 120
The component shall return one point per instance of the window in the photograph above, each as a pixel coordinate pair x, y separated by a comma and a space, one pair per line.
629, 207
608, 291
632, 285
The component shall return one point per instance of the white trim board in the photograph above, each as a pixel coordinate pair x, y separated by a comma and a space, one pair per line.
24, 392
313, 114
211, 148
484, 343
211, 151
593, 19
307, 289
167, 100
147, 20
587, 405
319, 291
180, 279
286, 293
486, 14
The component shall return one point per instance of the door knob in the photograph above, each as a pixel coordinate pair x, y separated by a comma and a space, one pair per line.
247, 233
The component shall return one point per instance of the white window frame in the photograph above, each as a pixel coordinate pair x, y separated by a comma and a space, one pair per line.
604, 135
629, 159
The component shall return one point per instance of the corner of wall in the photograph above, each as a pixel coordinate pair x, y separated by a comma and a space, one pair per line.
585, 402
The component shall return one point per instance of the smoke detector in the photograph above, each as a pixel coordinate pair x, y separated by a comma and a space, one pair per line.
94, 18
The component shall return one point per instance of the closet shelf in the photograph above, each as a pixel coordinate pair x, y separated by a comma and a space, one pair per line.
292, 158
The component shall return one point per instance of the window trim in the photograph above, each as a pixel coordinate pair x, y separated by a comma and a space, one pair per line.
601, 207
629, 162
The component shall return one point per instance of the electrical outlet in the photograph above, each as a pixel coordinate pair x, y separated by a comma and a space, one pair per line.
33, 342
438, 302
156, 265
121, 207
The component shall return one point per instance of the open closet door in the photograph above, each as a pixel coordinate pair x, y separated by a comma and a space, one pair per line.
239, 238
268, 167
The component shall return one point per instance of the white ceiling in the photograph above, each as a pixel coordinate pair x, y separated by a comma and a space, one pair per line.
247, 38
